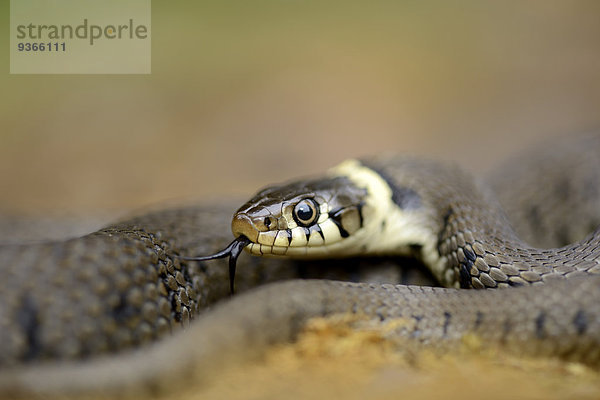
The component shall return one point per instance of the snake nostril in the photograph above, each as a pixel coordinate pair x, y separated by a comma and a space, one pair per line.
267, 221
242, 225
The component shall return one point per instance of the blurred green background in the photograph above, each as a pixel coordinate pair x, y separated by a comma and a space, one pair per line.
245, 93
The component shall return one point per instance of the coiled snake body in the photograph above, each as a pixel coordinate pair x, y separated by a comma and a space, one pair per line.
65, 303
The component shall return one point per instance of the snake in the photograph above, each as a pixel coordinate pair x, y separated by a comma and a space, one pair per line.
128, 308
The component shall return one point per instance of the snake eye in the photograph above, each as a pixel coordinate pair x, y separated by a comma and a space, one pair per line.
306, 212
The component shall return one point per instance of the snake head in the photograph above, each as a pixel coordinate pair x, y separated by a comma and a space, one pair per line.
306, 218
348, 212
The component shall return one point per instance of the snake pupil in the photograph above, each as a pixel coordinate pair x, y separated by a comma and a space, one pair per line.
305, 212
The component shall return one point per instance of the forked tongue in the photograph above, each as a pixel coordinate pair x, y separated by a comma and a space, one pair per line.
233, 250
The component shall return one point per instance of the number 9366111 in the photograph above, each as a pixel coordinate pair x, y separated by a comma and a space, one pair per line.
38, 47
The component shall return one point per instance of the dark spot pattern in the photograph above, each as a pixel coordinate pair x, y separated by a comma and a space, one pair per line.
336, 217
478, 320
404, 197
581, 322
444, 228
28, 321
289, 236
307, 232
359, 207
540, 322
447, 319
315, 228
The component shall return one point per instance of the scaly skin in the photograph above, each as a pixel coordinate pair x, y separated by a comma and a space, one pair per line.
241, 329
66, 303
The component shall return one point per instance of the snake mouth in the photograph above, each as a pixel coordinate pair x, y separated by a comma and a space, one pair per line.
243, 225
233, 251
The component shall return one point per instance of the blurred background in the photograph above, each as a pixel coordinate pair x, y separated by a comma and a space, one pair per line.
243, 94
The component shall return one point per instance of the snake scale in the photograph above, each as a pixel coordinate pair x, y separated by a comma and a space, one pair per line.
84, 315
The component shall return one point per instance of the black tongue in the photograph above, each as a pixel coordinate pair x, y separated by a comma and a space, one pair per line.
236, 249
233, 251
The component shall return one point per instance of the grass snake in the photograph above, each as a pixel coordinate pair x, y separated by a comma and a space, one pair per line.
84, 315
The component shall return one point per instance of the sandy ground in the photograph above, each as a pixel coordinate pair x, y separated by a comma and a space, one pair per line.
247, 94
330, 360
